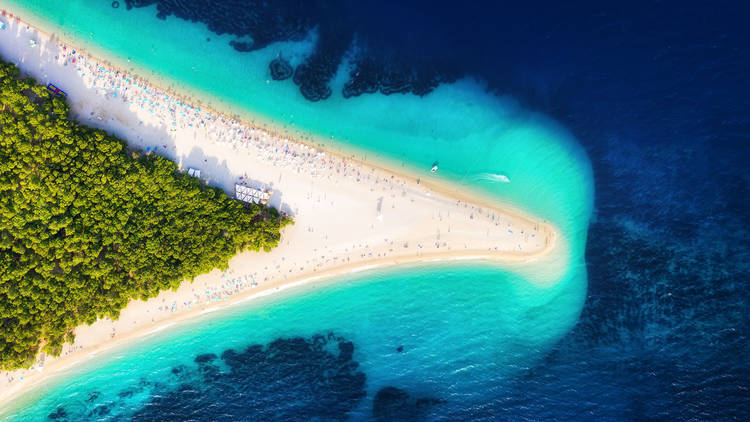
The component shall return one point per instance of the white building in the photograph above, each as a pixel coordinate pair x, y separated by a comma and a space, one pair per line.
251, 195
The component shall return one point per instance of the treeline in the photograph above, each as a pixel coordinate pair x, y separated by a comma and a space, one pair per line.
86, 226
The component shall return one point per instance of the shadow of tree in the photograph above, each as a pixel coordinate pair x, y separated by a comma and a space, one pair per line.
114, 112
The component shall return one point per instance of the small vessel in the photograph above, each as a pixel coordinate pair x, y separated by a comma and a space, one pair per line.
503, 178
434, 167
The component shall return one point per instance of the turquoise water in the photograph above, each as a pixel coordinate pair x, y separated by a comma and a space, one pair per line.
479, 325
464, 327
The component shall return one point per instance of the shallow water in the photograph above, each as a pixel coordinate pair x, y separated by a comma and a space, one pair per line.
463, 328
657, 97
460, 126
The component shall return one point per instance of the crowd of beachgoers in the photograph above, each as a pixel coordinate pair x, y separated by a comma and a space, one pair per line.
263, 148
174, 113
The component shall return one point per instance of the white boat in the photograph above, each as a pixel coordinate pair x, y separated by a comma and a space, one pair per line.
503, 178
434, 168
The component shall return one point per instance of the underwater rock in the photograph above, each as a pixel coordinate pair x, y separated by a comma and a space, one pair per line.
311, 85
280, 69
320, 383
102, 410
58, 415
265, 22
206, 357
395, 404
257, 23
394, 76
315, 73
243, 46
364, 78
346, 350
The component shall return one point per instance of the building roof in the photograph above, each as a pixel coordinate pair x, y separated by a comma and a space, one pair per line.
251, 195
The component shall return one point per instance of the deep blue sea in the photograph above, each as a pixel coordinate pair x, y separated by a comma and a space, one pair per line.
657, 95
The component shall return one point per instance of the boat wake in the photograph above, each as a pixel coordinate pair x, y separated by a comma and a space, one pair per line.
493, 177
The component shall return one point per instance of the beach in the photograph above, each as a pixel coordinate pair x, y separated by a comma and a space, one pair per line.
349, 215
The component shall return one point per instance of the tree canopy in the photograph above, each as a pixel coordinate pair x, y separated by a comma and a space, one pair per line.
86, 225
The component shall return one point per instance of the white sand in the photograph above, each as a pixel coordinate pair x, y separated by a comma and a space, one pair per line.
349, 216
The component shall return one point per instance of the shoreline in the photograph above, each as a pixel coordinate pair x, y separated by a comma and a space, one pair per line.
444, 198
312, 140
58, 367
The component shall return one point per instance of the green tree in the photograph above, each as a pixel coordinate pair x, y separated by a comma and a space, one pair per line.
86, 226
